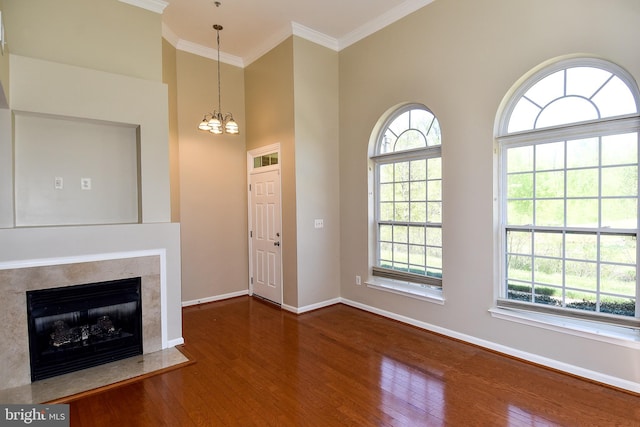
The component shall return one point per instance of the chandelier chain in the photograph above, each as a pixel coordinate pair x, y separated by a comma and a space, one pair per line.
218, 28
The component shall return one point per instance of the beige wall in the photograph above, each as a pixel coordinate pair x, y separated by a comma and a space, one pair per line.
6, 150
4, 67
270, 119
292, 99
460, 58
80, 32
315, 81
6, 169
170, 78
291, 95
213, 183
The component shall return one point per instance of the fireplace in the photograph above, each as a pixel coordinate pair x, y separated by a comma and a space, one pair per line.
76, 327
20, 277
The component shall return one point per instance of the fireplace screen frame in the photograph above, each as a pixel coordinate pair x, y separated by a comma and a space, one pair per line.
100, 342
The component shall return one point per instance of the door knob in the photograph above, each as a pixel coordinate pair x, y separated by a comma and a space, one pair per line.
276, 243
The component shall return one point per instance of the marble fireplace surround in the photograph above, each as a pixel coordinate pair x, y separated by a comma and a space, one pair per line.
18, 277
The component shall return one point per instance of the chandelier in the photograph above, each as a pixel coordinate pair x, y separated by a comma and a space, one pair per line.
217, 122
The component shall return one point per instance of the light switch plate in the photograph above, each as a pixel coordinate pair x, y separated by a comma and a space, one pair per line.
85, 183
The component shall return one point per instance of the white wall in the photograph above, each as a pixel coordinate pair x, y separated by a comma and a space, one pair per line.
39, 86
43, 87
70, 171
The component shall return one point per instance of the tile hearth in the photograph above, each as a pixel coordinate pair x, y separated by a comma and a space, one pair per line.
56, 388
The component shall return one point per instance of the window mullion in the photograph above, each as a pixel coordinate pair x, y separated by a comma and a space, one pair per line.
637, 278
563, 279
599, 235
533, 265
376, 204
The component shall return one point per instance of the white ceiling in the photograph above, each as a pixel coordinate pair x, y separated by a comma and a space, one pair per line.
253, 27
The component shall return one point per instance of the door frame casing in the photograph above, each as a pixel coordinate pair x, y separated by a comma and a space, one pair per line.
251, 170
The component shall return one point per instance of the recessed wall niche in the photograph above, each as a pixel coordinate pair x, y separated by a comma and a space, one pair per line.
72, 171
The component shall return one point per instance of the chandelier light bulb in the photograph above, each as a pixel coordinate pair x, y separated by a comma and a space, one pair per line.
231, 126
204, 125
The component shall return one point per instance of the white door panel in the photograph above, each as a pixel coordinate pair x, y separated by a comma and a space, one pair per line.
265, 237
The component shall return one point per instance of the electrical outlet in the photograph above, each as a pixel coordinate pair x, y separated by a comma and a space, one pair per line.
358, 280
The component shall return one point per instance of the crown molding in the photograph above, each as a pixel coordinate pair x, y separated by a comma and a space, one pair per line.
296, 29
209, 52
314, 36
286, 32
382, 21
156, 6
354, 36
198, 49
268, 44
169, 35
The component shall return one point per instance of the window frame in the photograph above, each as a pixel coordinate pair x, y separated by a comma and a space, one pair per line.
627, 123
406, 283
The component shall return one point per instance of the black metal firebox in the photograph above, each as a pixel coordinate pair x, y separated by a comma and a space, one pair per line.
77, 327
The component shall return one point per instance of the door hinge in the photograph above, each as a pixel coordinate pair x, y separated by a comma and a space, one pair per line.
249, 187
252, 280
251, 233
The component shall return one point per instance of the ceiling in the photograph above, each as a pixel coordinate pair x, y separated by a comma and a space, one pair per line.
253, 27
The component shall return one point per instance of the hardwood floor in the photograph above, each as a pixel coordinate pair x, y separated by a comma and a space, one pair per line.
258, 365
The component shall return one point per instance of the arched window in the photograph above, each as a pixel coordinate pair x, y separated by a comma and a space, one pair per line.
569, 139
408, 197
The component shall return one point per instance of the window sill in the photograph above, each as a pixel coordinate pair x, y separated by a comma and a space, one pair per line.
617, 335
407, 289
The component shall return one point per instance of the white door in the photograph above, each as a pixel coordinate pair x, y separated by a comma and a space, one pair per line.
266, 248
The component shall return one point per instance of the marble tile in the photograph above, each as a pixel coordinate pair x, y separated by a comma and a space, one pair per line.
14, 350
92, 378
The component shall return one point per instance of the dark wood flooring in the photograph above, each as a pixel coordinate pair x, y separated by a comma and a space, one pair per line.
338, 366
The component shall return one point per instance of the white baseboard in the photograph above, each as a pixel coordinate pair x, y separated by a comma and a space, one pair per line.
296, 310
311, 307
175, 342
215, 298
530, 357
